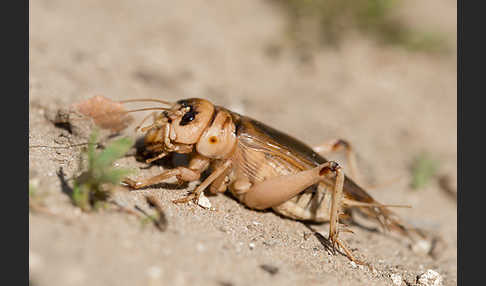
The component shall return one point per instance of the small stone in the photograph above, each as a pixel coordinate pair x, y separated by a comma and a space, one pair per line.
204, 202
396, 279
430, 278
251, 245
353, 264
422, 247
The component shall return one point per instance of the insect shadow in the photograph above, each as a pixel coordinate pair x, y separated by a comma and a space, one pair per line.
323, 240
65, 188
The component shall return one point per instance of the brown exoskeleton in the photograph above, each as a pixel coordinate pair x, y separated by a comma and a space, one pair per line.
262, 167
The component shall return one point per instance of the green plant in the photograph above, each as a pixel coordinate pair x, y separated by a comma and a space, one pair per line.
149, 219
35, 196
32, 190
423, 169
95, 184
326, 21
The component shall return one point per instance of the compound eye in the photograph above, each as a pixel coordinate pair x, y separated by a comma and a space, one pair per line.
190, 120
188, 117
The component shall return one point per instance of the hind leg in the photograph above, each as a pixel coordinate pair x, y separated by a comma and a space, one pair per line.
277, 190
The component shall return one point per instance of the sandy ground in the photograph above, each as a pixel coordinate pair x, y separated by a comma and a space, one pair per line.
390, 103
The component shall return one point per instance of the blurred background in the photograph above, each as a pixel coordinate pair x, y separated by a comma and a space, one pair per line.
380, 74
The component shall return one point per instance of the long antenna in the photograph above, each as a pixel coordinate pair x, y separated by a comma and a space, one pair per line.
146, 99
149, 108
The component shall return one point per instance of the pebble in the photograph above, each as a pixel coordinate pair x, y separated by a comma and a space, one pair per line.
422, 247
204, 201
396, 279
251, 245
430, 278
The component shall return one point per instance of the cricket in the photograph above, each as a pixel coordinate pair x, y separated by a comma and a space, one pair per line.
261, 166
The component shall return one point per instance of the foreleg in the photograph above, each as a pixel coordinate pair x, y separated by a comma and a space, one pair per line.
197, 165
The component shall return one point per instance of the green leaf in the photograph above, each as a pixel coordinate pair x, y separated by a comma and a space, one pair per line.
89, 190
374, 18
32, 190
113, 152
114, 175
423, 169
80, 196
